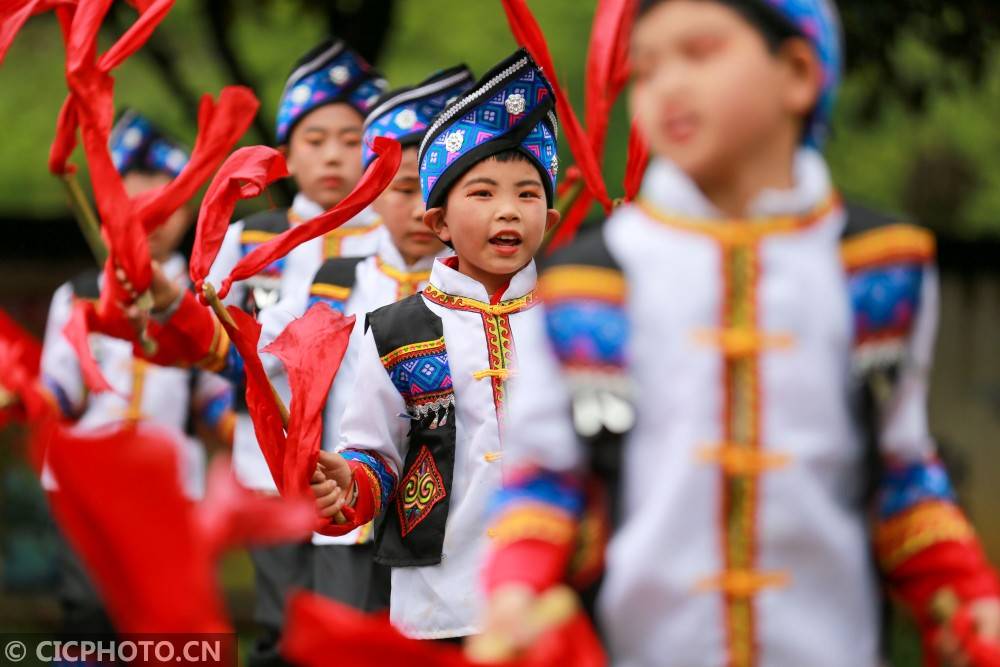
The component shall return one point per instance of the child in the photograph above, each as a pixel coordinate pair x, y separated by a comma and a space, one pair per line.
169, 398
729, 352
319, 127
344, 569
425, 427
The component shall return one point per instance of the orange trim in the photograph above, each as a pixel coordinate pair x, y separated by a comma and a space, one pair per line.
888, 245
134, 411
333, 241
407, 282
742, 342
918, 528
744, 584
737, 460
734, 233
533, 521
218, 351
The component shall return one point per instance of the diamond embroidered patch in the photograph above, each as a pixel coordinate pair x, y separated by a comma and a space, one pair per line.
419, 491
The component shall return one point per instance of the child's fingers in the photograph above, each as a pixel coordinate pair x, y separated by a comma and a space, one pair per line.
324, 488
318, 476
335, 507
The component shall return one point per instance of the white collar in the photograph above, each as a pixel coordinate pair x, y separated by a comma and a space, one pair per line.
450, 281
671, 190
388, 253
306, 209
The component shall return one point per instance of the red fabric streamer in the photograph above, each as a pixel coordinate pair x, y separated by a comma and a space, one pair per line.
233, 516
243, 175
150, 550
607, 66
260, 401
311, 349
15, 13
638, 159
318, 628
529, 35
77, 331
220, 126
376, 179
20, 354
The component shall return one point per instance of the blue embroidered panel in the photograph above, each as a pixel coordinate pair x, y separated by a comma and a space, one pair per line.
387, 479
336, 304
588, 333
214, 409
885, 300
540, 486
420, 373
234, 369
905, 486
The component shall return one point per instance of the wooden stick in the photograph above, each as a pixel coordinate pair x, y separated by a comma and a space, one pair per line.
220, 311
85, 216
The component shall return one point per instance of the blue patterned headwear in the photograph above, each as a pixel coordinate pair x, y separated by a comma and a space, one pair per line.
511, 107
137, 144
328, 74
819, 22
406, 113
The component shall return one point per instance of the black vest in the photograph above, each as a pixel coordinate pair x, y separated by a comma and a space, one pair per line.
410, 341
262, 291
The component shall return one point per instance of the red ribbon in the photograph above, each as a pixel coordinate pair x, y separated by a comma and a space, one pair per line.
529, 34
376, 179
243, 175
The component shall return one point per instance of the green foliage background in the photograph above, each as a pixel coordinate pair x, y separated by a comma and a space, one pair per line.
953, 135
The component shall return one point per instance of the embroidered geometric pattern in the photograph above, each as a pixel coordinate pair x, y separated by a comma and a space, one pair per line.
412, 111
419, 491
904, 486
421, 374
496, 327
136, 143
485, 116
334, 74
380, 473
408, 283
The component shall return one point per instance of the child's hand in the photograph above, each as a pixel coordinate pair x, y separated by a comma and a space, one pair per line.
164, 291
984, 618
332, 484
507, 631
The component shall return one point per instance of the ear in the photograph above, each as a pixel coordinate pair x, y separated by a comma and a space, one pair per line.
285, 152
434, 219
804, 76
552, 217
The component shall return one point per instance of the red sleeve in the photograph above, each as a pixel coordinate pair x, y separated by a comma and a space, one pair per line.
532, 562
365, 506
191, 336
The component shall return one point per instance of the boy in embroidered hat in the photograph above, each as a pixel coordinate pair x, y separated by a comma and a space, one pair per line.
432, 369
177, 400
726, 355
343, 566
319, 125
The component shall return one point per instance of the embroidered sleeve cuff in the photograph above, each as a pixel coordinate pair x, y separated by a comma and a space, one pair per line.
535, 563
190, 337
932, 549
378, 475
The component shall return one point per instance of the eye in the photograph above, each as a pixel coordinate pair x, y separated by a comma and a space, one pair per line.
480, 193
701, 48
530, 194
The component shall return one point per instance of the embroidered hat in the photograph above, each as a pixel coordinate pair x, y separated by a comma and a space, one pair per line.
511, 107
819, 22
329, 73
815, 20
406, 113
138, 144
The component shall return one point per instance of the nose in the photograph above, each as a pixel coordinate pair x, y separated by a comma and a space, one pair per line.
419, 209
507, 210
333, 153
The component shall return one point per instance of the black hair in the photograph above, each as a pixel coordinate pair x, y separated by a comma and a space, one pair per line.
773, 26
508, 155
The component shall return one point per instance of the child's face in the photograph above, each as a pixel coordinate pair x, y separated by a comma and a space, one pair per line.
708, 92
495, 217
401, 208
164, 239
324, 153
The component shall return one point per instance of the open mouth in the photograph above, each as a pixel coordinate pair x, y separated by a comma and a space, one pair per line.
506, 239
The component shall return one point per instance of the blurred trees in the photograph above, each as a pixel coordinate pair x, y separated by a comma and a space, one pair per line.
916, 111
